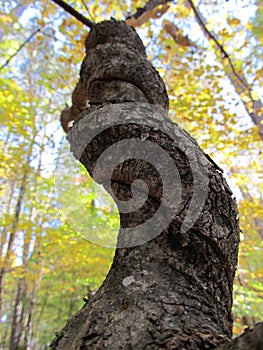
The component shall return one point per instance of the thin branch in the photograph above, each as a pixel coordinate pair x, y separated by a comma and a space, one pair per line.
256, 115
55, 38
87, 9
74, 13
27, 41
20, 48
220, 46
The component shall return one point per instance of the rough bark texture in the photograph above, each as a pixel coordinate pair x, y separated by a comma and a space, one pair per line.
115, 69
251, 339
174, 289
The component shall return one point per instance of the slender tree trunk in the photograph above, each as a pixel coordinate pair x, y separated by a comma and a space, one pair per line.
170, 284
13, 230
28, 329
6, 258
17, 321
17, 324
72, 304
59, 309
3, 243
38, 318
259, 226
4, 338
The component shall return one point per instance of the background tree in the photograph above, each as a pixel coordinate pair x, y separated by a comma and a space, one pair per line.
204, 102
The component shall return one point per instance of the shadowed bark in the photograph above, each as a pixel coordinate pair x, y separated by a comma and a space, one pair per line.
251, 339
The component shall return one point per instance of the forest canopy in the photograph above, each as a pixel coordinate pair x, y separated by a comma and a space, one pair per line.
209, 54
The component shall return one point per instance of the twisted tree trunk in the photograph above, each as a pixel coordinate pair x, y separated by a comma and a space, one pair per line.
170, 284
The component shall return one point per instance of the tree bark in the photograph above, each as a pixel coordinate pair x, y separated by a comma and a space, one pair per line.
170, 284
251, 339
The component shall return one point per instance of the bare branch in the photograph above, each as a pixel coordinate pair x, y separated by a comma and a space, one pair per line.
87, 9
20, 48
212, 37
74, 13
239, 82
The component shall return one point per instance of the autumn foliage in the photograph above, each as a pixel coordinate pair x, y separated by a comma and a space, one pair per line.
210, 57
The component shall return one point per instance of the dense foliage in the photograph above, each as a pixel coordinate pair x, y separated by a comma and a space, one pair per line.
46, 266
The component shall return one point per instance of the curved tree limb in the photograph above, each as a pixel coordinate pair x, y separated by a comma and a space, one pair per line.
163, 286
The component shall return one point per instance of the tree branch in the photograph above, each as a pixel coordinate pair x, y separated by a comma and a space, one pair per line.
150, 5
250, 339
143, 14
87, 9
211, 36
241, 85
74, 13
20, 48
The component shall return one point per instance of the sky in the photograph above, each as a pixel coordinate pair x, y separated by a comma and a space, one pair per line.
240, 10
